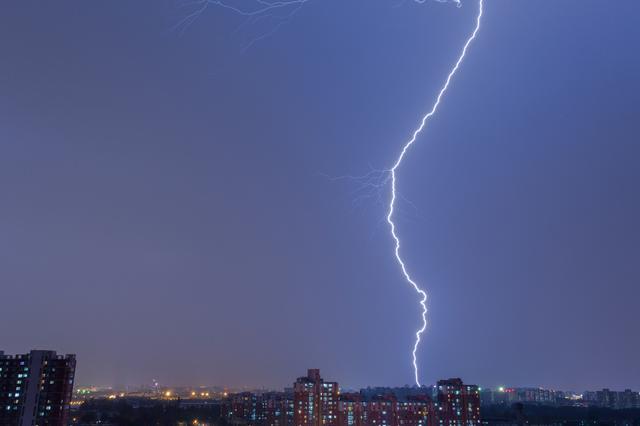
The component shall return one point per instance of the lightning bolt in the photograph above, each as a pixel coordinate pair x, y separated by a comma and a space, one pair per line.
375, 179
392, 202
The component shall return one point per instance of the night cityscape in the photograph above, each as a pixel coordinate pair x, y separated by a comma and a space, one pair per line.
319, 213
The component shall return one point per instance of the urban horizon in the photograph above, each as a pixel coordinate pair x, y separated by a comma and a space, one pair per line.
495, 385
154, 383
39, 386
346, 387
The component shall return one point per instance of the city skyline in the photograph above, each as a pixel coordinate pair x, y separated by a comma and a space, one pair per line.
505, 388
38, 388
173, 209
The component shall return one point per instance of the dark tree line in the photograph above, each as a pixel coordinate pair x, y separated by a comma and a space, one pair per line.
522, 414
147, 413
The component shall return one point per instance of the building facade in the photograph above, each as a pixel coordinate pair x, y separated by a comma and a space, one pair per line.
36, 388
267, 409
416, 410
457, 404
315, 401
351, 409
616, 400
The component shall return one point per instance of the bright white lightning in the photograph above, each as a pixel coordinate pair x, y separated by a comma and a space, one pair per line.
392, 202
375, 179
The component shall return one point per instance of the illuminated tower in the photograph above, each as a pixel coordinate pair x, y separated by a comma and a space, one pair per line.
315, 401
36, 388
458, 404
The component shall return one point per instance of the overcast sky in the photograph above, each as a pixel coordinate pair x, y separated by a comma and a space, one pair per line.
165, 211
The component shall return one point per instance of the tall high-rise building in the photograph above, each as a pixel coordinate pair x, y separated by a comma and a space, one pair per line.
457, 404
315, 401
36, 388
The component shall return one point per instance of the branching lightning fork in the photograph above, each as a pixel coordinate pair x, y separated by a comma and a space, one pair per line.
253, 12
392, 202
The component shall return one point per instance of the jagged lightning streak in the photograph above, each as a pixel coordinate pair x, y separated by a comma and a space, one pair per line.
375, 179
392, 202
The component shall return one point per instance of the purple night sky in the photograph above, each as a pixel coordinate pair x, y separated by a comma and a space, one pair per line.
166, 213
